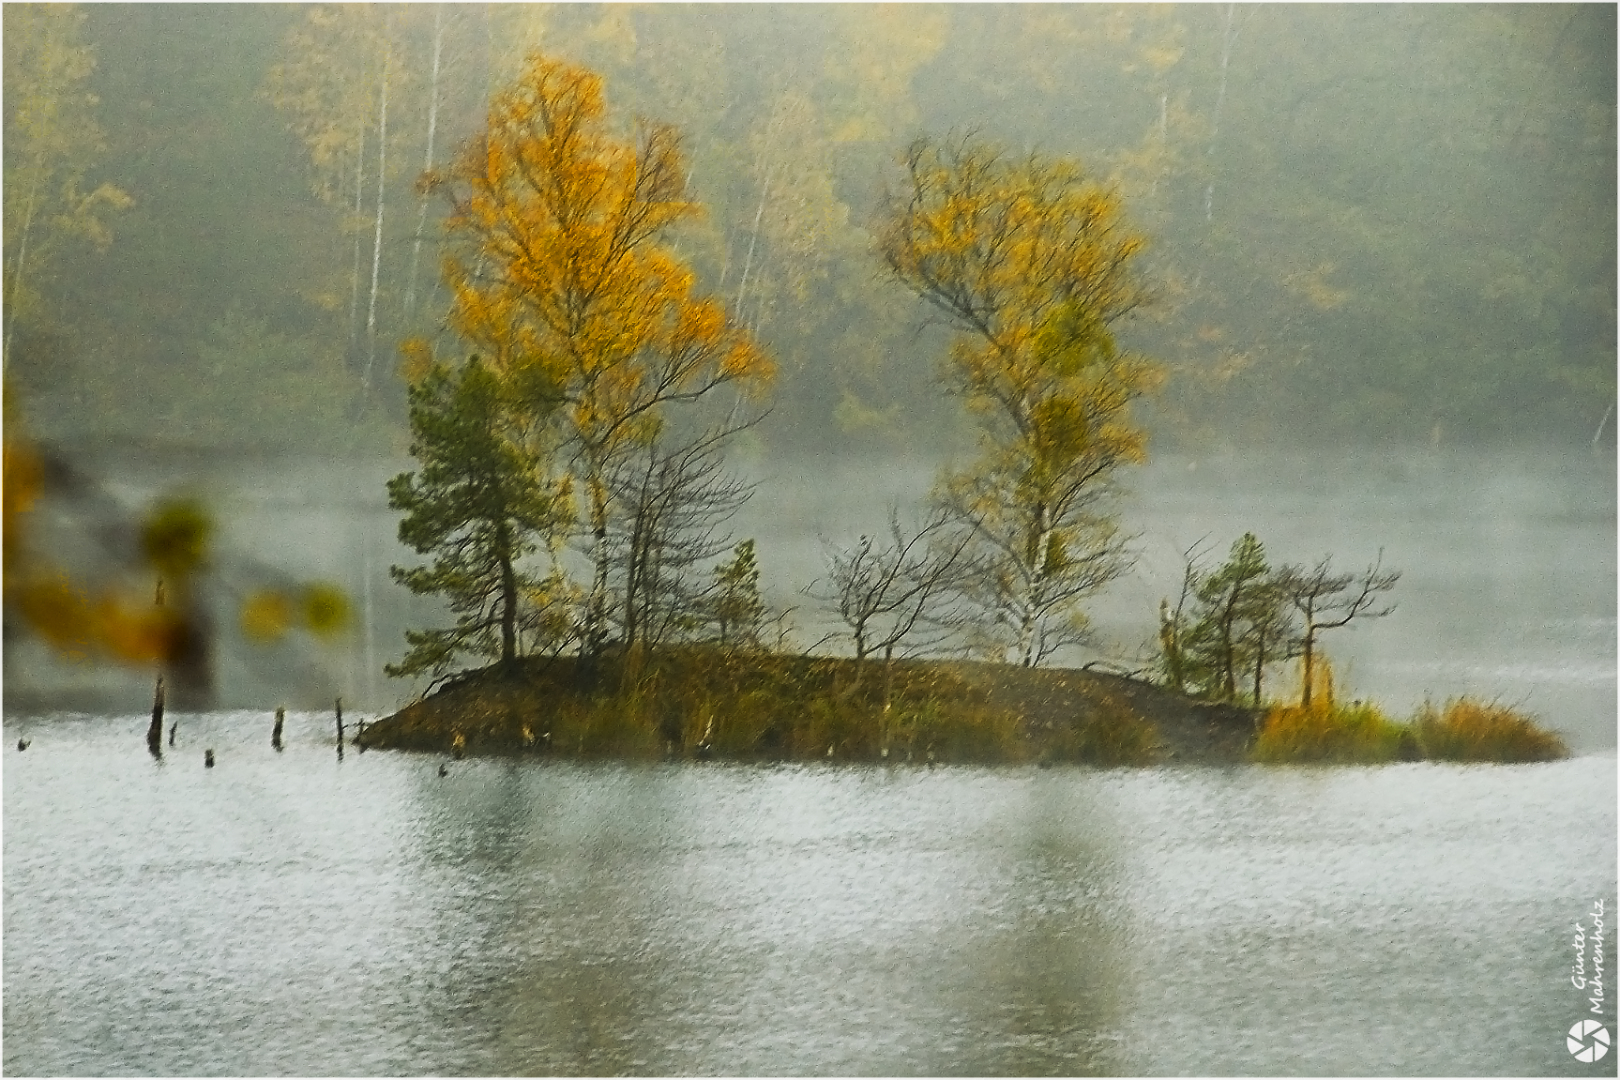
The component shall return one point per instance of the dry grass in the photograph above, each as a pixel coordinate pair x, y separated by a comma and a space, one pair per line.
713, 703
1112, 734
1358, 733
1468, 730
1465, 730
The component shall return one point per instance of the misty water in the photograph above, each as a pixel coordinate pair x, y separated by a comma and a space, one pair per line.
294, 913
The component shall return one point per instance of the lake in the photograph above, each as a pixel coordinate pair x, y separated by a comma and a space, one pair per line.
293, 913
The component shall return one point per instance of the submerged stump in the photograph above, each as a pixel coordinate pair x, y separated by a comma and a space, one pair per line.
154, 733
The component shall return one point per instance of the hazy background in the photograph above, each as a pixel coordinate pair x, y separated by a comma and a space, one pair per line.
1382, 239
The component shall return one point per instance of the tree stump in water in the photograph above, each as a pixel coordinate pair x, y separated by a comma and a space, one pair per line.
154, 734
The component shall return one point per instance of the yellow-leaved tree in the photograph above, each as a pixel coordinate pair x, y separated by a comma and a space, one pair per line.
52, 138
563, 274
1031, 264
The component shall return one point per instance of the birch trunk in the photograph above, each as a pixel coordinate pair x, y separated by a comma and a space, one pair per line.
354, 270
376, 245
596, 605
1215, 121
17, 273
427, 159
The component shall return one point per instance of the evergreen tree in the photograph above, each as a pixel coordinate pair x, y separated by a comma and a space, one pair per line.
1240, 623
480, 506
738, 610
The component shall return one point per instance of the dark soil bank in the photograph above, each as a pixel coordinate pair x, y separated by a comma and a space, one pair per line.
758, 707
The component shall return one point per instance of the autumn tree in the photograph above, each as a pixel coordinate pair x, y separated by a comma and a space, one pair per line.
51, 139
561, 266
1030, 263
480, 505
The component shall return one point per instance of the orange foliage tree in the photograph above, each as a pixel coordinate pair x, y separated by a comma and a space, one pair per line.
561, 271
1032, 265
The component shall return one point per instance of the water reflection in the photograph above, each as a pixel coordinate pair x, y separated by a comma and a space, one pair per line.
287, 913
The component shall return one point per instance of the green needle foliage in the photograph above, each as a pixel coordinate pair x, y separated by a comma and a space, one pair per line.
480, 506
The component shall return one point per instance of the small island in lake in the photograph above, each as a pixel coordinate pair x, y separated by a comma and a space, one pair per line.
572, 491
700, 703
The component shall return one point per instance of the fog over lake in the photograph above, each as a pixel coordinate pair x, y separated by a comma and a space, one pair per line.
296, 914
1344, 274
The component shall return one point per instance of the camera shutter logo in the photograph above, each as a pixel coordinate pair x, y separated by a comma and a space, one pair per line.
1588, 1041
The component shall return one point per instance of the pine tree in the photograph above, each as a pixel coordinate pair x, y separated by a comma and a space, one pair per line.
739, 613
480, 506
1240, 624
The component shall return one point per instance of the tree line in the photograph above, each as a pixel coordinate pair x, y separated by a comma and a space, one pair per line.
1370, 222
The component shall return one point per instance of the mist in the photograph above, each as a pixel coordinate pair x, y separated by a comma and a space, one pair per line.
1381, 246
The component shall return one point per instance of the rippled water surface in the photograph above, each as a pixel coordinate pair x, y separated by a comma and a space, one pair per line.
291, 913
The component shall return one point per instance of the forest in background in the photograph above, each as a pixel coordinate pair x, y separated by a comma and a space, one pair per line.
1366, 222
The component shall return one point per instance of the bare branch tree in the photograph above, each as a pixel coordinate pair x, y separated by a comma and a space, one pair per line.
671, 503
898, 594
1328, 601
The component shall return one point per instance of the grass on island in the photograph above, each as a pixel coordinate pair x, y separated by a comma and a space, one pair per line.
697, 701
1355, 734
1360, 733
1465, 730
1468, 730
708, 702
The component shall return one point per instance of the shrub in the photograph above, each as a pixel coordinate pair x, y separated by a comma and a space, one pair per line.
1358, 733
1468, 730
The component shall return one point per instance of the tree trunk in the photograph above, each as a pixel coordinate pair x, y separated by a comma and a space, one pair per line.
509, 597
354, 268
748, 262
1229, 647
17, 275
376, 244
427, 159
1259, 664
1215, 121
1310, 644
1033, 581
154, 733
888, 698
596, 605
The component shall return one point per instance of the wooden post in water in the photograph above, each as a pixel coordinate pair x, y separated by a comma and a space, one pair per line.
339, 706
275, 732
154, 733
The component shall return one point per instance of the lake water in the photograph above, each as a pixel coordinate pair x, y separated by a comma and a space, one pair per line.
291, 913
